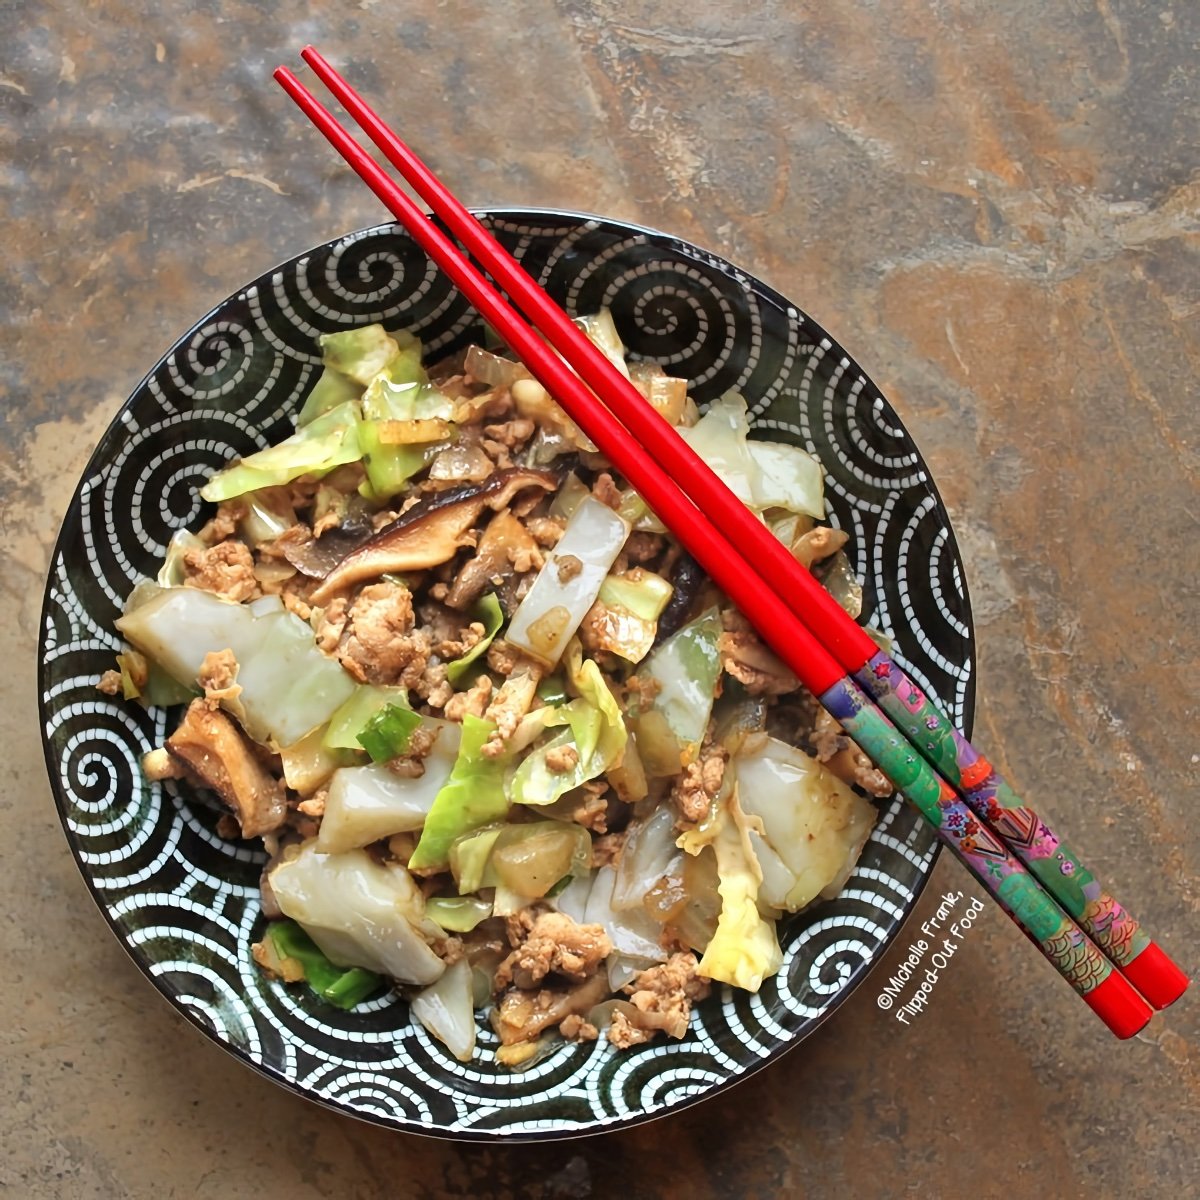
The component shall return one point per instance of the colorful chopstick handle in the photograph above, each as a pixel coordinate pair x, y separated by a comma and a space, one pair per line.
1057, 936
1048, 857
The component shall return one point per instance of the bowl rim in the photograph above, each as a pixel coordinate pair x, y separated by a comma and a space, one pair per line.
564, 1132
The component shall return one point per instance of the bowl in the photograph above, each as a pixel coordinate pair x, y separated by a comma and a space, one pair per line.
184, 902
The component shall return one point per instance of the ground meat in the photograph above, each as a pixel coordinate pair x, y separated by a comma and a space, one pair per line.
510, 704
226, 569
290, 970
554, 945
464, 640
606, 491
498, 452
513, 433
576, 1029
833, 748
745, 657
640, 691
592, 810
561, 759
699, 782
449, 949
218, 677
224, 522
333, 624
314, 806
567, 566
623, 1034
505, 659
473, 701
110, 683
379, 644
295, 595
668, 992
642, 547
411, 764
433, 687
546, 530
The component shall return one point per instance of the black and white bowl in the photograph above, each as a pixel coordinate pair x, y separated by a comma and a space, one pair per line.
184, 902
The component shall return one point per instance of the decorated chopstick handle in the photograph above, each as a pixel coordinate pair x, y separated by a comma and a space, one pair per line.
1058, 937
988, 795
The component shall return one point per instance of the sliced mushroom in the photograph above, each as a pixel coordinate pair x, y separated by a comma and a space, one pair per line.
505, 544
431, 532
212, 747
317, 556
687, 579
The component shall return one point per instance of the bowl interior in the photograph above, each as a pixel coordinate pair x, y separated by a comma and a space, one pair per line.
185, 902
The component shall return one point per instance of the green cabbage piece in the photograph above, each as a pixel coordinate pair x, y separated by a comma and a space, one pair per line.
331, 390
595, 730
458, 914
388, 467
330, 441
363, 353
473, 796
491, 616
686, 666
469, 856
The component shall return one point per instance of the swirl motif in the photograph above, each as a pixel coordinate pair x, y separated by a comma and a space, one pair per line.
185, 902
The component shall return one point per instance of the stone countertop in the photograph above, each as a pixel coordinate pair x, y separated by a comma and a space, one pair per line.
994, 205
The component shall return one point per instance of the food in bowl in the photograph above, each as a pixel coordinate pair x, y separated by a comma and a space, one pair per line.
506, 745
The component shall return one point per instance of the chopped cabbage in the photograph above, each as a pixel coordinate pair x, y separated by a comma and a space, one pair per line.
761, 474
744, 950
814, 826
567, 585
489, 614
686, 666
362, 353
446, 1008
348, 722
624, 619
328, 441
359, 912
288, 686
458, 914
366, 804
472, 796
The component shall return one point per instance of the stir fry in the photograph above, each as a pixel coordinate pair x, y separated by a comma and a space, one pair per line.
507, 747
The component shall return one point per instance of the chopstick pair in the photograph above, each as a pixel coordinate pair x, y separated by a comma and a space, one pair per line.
928, 760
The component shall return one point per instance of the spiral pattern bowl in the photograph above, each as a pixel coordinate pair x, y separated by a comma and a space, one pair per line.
184, 902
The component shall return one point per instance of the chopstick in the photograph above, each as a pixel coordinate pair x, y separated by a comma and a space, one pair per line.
1060, 939
927, 727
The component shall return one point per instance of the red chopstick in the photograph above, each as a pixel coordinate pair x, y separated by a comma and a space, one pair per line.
986, 792
1075, 957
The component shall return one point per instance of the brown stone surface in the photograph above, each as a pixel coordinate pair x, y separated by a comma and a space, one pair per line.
995, 205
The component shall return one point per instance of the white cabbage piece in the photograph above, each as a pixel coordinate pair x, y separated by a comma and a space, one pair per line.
633, 932
366, 804
288, 686
647, 856
560, 596
447, 1010
814, 825
360, 913
762, 474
